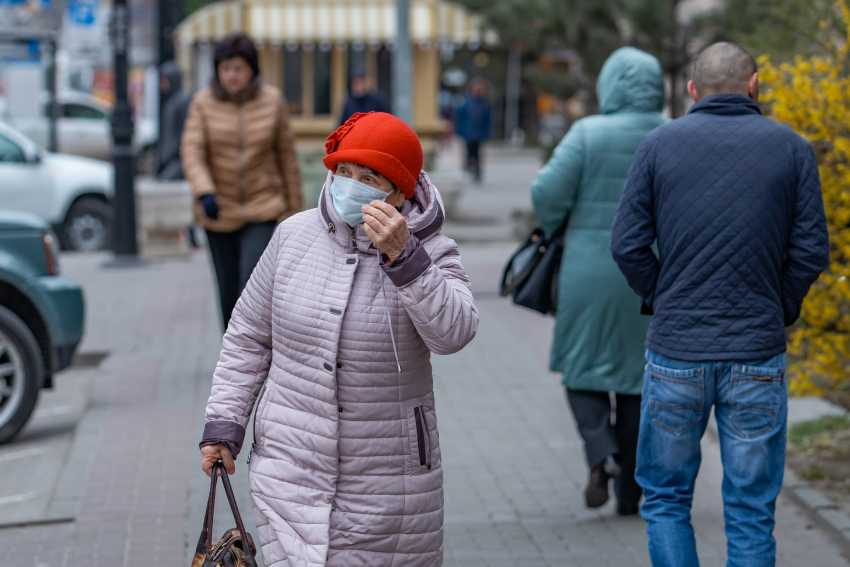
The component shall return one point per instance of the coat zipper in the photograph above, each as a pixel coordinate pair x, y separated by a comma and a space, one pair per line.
241, 123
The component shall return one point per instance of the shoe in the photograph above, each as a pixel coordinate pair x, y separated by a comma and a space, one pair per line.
627, 509
596, 493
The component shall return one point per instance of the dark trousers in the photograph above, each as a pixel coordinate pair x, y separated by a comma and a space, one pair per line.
592, 411
234, 256
473, 158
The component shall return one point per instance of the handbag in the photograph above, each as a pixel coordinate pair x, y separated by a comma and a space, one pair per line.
531, 275
236, 547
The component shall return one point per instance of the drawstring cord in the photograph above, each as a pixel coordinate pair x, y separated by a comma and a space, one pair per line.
387, 309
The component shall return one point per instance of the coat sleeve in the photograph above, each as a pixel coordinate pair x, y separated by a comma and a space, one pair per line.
193, 152
555, 188
807, 253
288, 160
634, 229
245, 358
436, 293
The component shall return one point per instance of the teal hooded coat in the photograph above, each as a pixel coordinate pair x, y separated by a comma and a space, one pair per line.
599, 331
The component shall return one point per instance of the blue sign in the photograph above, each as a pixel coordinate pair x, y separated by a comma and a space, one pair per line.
41, 4
83, 12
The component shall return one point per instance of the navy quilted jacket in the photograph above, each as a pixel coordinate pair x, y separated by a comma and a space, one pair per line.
733, 200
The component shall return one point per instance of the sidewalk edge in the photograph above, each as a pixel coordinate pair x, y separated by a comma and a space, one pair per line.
817, 507
826, 515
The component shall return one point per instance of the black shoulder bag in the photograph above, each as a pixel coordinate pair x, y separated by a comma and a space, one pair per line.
531, 275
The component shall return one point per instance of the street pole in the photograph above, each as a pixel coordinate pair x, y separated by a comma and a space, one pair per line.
124, 218
53, 103
402, 64
512, 93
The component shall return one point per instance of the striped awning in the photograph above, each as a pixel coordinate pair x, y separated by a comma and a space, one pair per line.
322, 21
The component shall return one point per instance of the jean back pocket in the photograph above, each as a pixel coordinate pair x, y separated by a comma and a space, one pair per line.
676, 397
755, 396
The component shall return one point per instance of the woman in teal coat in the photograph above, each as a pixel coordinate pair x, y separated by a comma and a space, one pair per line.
599, 331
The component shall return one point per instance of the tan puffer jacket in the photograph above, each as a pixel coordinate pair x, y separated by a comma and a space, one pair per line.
242, 150
345, 469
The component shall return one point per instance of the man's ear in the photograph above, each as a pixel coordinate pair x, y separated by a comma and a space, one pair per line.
753, 87
692, 90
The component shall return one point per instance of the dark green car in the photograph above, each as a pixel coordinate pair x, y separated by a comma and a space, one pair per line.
41, 317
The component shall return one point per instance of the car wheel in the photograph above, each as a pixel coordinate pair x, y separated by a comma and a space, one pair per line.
21, 374
88, 226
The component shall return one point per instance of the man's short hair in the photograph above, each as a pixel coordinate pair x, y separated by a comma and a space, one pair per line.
723, 68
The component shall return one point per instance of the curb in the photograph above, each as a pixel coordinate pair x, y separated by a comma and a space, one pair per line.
817, 507
820, 509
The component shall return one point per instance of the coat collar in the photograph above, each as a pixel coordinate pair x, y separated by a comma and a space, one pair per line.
424, 214
726, 105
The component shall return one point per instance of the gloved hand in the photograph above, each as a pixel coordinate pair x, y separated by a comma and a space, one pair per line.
209, 205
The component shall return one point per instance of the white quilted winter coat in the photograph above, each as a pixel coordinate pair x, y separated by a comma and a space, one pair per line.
345, 468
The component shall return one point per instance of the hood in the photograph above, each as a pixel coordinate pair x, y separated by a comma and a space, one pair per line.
630, 81
173, 75
424, 213
17, 220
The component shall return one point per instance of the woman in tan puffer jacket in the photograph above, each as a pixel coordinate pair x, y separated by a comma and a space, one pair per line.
238, 152
332, 339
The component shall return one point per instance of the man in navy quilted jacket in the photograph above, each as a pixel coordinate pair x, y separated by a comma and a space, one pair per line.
733, 202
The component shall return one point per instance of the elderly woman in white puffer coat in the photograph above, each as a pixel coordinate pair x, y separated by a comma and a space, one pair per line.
336, 327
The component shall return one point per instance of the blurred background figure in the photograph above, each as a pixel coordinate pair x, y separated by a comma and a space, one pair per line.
473, 124
239, 153
599, 331
362, 98
175, 108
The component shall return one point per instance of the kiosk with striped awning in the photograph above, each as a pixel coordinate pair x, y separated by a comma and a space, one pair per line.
308, 48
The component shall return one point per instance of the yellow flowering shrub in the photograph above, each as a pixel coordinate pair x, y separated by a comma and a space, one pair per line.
812, 96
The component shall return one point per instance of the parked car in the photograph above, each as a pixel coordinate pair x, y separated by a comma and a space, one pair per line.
70, 193
84, 129
41, 317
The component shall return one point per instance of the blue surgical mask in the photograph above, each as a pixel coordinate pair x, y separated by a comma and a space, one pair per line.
350, 195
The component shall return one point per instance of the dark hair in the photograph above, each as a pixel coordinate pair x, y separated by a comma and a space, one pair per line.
237, 45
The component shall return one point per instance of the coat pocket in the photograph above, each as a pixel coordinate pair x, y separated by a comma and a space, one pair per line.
422, 437
420, 456
755, 396
259, 416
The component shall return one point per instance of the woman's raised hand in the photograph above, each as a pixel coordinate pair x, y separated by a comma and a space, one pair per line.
386, 227
211, 454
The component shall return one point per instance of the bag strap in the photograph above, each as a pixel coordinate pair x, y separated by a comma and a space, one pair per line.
563, 228
205, 541
231, 498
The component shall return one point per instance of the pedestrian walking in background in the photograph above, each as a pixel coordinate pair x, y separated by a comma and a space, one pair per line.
361, 98
733, 202
337, 326
239, 153
598, 342
175, 108
473, 124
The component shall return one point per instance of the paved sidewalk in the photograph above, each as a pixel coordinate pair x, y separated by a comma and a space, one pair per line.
111, 456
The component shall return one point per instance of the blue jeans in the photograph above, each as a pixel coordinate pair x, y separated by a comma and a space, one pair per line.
751, 408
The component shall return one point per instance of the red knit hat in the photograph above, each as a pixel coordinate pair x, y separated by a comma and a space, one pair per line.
380, 141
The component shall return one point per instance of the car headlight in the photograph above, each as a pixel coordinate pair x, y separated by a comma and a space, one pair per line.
51, 252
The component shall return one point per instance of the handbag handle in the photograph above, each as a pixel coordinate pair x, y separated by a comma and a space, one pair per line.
206, 533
